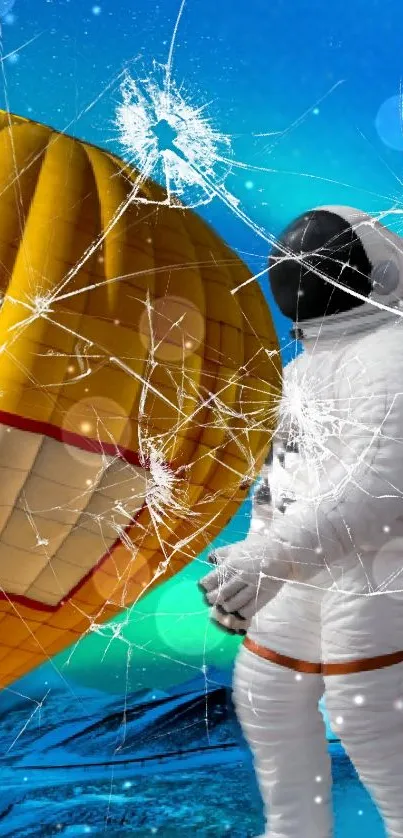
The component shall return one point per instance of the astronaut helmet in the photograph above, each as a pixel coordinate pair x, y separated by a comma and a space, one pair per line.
334, 260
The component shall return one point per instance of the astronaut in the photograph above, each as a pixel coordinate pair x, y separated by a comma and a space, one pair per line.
319, 585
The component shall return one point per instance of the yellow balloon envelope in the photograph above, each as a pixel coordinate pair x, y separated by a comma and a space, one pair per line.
138, 389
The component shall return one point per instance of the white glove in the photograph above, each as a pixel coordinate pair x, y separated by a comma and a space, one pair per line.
233, 623
247, 579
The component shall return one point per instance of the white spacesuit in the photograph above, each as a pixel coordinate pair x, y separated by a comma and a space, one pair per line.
321, 583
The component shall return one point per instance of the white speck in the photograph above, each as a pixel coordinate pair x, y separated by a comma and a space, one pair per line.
298, 676
339, 720
360, 812
386, 528
318, 779
249, 184
398, 705
13, 58
315, 111
318, 799
96, 10
359, 699
127, 784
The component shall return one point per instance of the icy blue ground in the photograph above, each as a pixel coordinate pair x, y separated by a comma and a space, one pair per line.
211, 800
157, 769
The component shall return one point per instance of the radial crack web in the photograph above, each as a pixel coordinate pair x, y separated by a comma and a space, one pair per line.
161, 133
166, 135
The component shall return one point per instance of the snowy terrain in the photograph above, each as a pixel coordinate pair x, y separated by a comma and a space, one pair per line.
166, 764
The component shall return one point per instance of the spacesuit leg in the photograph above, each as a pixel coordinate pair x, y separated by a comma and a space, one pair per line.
366, 708
363, 711
277, 708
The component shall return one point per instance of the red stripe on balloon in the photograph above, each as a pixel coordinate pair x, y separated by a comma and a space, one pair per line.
43, 606
94, 446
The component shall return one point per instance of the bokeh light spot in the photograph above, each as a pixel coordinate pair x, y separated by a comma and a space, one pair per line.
388, 123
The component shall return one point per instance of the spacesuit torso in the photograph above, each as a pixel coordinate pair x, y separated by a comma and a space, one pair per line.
313, 466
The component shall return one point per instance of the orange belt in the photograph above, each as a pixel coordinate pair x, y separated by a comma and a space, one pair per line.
360, 665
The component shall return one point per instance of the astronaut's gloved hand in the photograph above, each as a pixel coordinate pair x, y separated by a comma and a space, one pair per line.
231, 623
247, 579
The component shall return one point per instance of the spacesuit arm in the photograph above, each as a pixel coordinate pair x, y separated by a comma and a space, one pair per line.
364, 491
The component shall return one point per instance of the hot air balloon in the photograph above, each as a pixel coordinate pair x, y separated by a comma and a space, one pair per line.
137, 391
